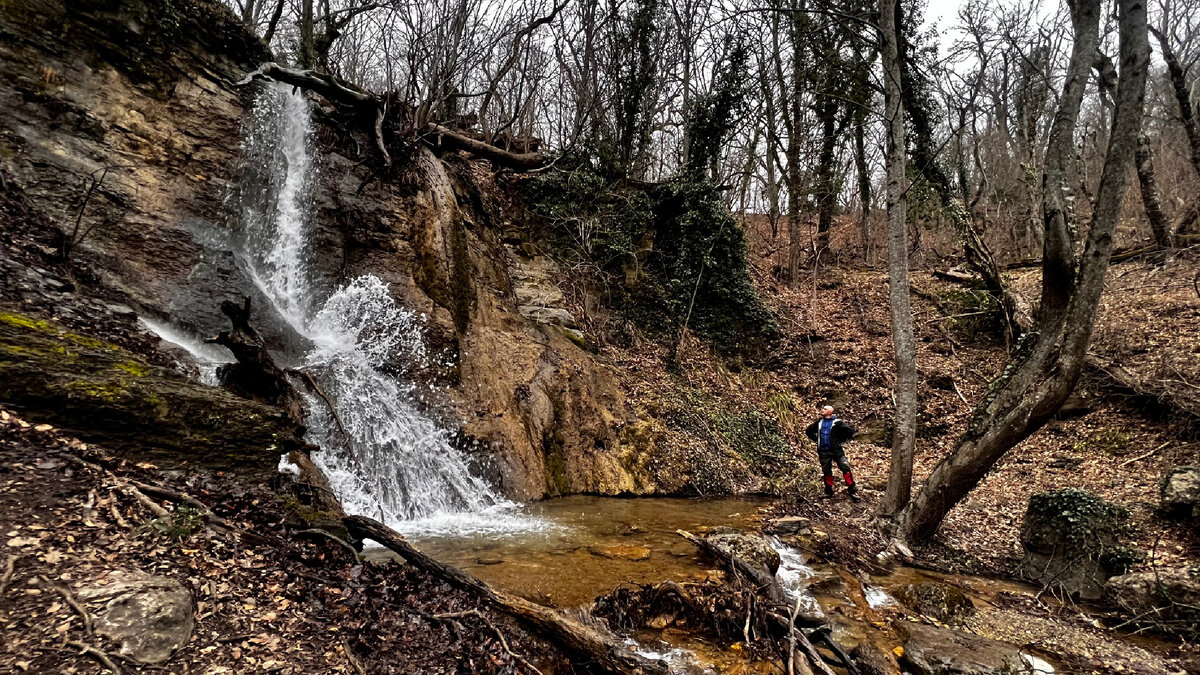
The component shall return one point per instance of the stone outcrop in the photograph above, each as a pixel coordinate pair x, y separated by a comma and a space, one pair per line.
945, 651
1162, 598
149, 616
142, 107
1181, 492
105, 394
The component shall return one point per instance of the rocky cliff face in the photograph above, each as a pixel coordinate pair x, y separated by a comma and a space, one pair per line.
119, 141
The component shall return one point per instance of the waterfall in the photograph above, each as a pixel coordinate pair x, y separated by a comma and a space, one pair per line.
393, 462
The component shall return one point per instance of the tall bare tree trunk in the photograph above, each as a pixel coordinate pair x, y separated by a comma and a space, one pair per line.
826, 190
899, 487
864, 181
1150, 201
1045, 368
1182, 97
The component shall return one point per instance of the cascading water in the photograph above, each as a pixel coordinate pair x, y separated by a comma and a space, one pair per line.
392, 461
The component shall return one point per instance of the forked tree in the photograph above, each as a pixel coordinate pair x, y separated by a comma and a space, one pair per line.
1046, 365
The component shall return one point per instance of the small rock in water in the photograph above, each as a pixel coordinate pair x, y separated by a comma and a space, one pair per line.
629, 529
489, 560
789, 525
940, 601
620, 552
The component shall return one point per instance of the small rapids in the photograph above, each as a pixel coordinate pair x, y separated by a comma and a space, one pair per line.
393, 462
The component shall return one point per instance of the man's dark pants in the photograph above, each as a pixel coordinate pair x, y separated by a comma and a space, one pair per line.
828, 458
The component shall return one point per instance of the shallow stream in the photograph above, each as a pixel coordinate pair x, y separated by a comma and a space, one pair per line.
584, 547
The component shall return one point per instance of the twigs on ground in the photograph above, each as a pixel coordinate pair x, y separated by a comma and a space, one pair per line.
503, 642
75, 605
354, 662
101, 656
319, 533
1143, 456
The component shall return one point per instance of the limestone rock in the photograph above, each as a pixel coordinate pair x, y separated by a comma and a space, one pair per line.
789, 525
939, 601
946, 651
1162, 596
621, 552
150, 616
752, 548
1181, 490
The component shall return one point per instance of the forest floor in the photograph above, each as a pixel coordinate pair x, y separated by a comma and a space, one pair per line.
284, 603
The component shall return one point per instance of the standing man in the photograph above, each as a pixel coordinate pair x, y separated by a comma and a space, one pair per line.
829, 433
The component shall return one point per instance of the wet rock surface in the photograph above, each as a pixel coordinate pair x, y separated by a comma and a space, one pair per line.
936, 600
945, 651
621, 551
753, 548
149, 616
109, 395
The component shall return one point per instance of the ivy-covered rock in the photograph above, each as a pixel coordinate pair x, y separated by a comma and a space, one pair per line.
1074, 541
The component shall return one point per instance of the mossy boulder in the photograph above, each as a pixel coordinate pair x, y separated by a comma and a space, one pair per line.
1074, 541
105, 394
939, 601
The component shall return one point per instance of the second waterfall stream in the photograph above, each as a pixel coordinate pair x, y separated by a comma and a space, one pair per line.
393, 462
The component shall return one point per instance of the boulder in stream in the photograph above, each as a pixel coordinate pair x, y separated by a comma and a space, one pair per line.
1074, 541
945, 651
936, 600
150, 616
753, 548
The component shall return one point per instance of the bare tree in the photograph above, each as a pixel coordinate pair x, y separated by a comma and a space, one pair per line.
905, 422
1045, 368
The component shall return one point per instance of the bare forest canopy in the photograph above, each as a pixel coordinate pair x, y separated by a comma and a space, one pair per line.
778, 101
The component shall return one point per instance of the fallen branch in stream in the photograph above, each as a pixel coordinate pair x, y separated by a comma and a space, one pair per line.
604, 651
771, 622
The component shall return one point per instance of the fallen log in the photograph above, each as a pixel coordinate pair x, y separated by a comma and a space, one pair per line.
374, 115
600, 650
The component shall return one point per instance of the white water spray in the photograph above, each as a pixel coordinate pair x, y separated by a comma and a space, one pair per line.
393, 462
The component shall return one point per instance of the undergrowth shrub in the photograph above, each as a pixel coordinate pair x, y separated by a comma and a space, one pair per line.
665, 254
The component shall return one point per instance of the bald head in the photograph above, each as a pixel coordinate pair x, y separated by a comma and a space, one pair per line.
827, 411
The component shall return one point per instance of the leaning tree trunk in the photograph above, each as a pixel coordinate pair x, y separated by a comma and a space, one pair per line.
905, 427
1182, 96
1150, 201
1047, 365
